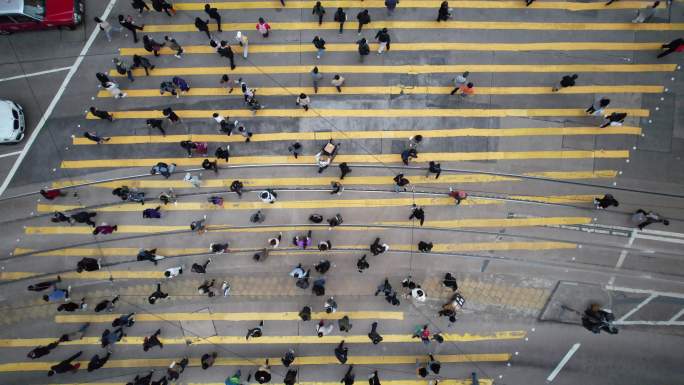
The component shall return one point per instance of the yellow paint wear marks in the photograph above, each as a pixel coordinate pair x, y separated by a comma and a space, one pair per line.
377, 113
266, 340
301, 204
138, 229
396, 90
108, 251
348, 181
565, 5
310, 360
265, 316
392, 24
422, 46
507, 222
100, 274
407, 69
379, 158
354, 135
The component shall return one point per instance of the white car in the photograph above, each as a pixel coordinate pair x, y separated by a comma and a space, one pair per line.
12, 124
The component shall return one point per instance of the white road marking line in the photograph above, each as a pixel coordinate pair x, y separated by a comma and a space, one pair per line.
663, 233
638, 307
34, 74
676, 316
645, 291
661, 239
562, 363
55, 100
10, 154
650, 323
623, 253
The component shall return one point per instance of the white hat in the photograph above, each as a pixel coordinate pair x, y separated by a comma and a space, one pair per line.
238, 35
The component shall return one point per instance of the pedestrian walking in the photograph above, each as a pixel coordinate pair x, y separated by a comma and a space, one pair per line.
200, 269
149, 255
223, 153
400, 183
225, 80
52, 194
218, 248
566, 81
244, 132
434, 365
268, 196
174, 374
330, 306
263, 374
122, 68
58, 294
348, 378
363, 49
65, 365
318, 287
139, 61
107, 28
163, 6
362, 264
383, 38
75, 336
385, 287
465, 89
206, 288
157, 295
444, 13
376, 248
643, 218
167, 86
337, 82
72, 306
213, 14
84, 217
101, 114
109, 338
460, 81
645, 14
336, 188
289, 357
146, 380
614, 119
41, 351
322, 329
424, 247
243, 41
129, 25
171, 115
408, 154
59, 217
528, 2
202, 26
364, 18
151, 45
340, 17
319, 11
255, 332
126, 320
208, 359
42, 286
423, 333
152, 341
106, 305
96, 362
152, 213
391, 5
295, 149
224, 50
173, 272
344, 170
210, 166
414, 141
458, 195
606, 201
341, 353
92, 136
114, 90
263, 27
102, 78
374, 336
418, 213
324, 245
105, 229
676, 45
319, 43
194, 179
316, 76
303, 101
598, 107
434, 168
174, 45
450, 282
164, 169
140, 6
88, 264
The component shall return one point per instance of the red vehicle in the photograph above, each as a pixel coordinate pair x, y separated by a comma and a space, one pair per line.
26, 15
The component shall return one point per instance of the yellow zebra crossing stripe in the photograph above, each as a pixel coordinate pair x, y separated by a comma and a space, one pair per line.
396, 90
319, 204
275, 361
269, 340
377, 158
407, 69
343, 134
457, 24
467, 4
170, 252
348, 181
232, 317
460, 223
416, 47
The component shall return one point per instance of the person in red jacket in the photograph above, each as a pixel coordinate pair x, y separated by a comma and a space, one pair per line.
263, 27
52, 194
676, 45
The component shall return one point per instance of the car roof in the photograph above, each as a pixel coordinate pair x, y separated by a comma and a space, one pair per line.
11, 6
